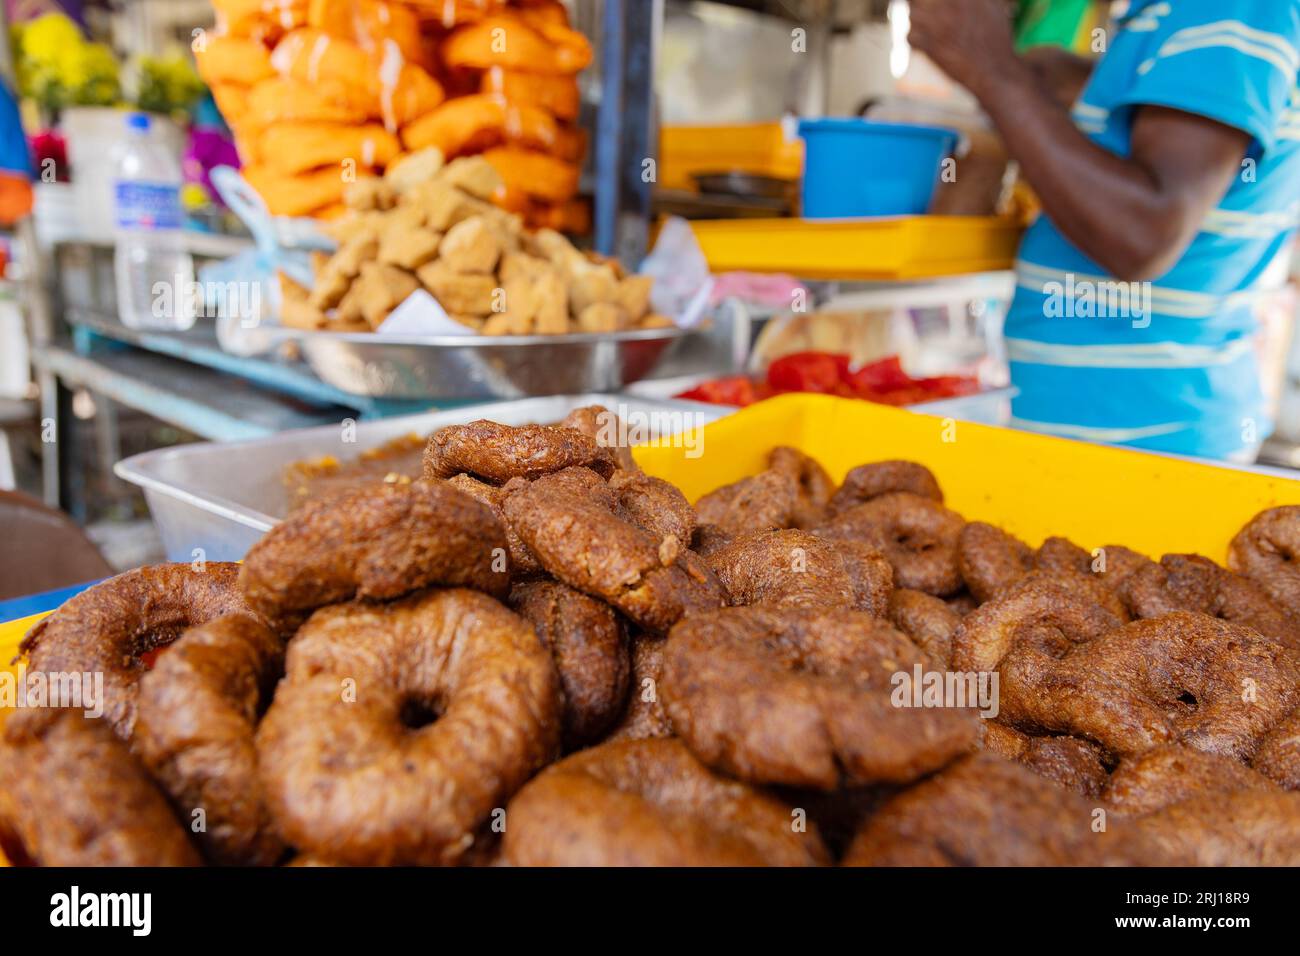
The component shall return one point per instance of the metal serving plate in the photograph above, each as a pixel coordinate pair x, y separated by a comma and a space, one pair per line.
486, 367
215, 500
989, 407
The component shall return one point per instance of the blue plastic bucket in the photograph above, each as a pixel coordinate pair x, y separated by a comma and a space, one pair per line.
858, 167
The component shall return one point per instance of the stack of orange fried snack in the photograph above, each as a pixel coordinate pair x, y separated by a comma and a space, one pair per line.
322, 92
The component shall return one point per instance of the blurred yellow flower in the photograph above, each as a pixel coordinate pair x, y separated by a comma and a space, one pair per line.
57, 67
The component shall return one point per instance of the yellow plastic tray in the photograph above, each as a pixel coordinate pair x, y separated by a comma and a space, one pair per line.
1032, 485
906, 247
758, 148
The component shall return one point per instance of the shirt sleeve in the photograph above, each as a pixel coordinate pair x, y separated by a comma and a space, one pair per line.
1233, 61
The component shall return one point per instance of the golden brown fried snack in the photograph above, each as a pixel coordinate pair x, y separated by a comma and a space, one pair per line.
797, 569
496, 453
196, 715
1267, 550
73, 795
399, 728
1189, 582
653, 505
113, 627
606, 429
1172, 774
1073, 763
587, 546
962, 603
991, 560
1278, 757
1062, 555
522, 561
802, 697
1041, 610
644, 717
987, 811
866, 482
710, 539
1183, 678
763, 502
588, 643
918, 535
1248, 828
927, 620
813, 483
650, 803
1115, 563
378, 542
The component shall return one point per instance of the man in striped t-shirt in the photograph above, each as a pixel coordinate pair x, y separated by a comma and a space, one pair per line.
1168, 191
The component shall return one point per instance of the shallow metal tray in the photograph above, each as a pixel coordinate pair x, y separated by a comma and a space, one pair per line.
486, 367
989, 407
215, 500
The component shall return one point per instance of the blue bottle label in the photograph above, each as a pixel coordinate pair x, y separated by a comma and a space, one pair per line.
148, 207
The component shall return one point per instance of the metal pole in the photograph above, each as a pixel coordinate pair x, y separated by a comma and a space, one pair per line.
626, 143
40, 319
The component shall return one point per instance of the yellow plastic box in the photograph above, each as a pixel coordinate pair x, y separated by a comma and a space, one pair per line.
904, 247
1032, 485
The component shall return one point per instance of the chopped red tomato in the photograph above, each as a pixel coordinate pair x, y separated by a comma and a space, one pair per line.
823, 372
830, 373
877, 378
736, 390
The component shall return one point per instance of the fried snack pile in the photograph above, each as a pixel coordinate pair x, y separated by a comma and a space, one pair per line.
429, 225
320, 92
534, 654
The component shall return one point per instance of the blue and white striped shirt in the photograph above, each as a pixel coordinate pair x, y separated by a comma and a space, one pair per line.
1173, 365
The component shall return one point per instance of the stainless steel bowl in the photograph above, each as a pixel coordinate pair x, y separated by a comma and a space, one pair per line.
501, 367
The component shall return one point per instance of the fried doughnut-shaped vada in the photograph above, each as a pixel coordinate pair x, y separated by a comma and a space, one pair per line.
798, 569
991, 560
1247, 828
112, 627
650, 803
802, 697
927, 620
1183, 678
588, 643
918, 536
866, 482
1172, 774
522, 562
1040, 609
377, 542
592, 549
986, 811
72, 794
1267, 550
196, 716
1189, 582
606, 428
763, 502
496, 453
398, 728
645, 717
814, 485
1062, 554
653, 505
1073, 763
1278, 757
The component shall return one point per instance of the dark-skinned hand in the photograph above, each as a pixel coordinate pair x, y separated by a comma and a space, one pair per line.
970, 40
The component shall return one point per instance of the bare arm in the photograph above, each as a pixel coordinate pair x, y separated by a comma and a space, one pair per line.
1059, 71
1135, 216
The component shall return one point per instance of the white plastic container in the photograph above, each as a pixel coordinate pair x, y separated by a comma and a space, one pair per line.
153, 270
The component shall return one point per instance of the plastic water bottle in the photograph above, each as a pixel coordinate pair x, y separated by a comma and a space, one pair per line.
154, 273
